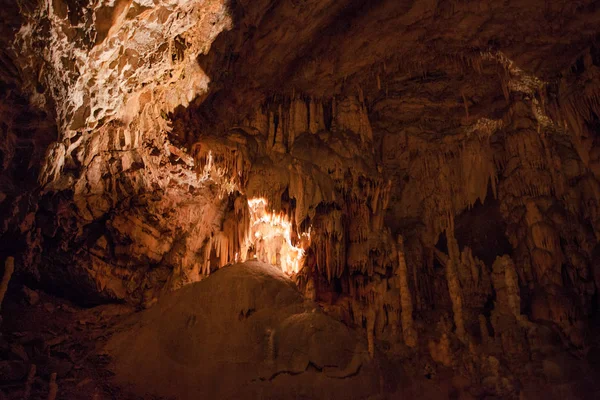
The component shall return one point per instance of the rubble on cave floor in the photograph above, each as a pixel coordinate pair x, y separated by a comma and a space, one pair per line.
42, 334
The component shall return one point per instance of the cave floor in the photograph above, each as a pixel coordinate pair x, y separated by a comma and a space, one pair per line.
58, 337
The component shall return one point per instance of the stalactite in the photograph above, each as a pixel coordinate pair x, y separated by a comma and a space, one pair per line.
271, 132
317, 119
298, 120
279, 131
371, 315
465, 103
222, 248
242, 214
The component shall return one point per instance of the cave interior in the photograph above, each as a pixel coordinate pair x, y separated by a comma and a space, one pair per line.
304, 199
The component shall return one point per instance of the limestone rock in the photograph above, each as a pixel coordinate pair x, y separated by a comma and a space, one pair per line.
264, 337
31, 296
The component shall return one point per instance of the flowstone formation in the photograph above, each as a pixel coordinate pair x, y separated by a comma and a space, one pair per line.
427, 172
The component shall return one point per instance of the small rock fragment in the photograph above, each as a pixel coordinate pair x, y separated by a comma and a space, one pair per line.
49, 307
68, 308
31, 296
19, 351
57, 340
84, 382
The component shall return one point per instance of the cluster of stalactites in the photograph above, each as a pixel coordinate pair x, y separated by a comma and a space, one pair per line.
281, 122
252, 230
308, 192
224, 163
378, 299
576, 110
529, 167
328, 244
544, 244
231, 243
451, 180
359, 223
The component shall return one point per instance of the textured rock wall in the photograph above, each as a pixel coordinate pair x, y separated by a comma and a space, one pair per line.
120, 212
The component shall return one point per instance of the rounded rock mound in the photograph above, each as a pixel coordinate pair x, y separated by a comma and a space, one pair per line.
244, 332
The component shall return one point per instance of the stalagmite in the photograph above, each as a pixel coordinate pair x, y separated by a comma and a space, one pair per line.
9, 267
506, 284
454, 284
52, 387
408, 331
441, 351
29, 382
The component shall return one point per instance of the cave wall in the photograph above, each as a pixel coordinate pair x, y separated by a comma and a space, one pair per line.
115, 211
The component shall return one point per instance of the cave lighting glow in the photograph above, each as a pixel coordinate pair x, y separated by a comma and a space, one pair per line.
271, 237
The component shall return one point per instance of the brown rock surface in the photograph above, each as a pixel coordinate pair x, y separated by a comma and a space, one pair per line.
262, 343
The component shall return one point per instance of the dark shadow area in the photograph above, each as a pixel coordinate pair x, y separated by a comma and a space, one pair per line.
483, 228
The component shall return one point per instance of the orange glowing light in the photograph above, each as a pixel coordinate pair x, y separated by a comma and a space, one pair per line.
271, 237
